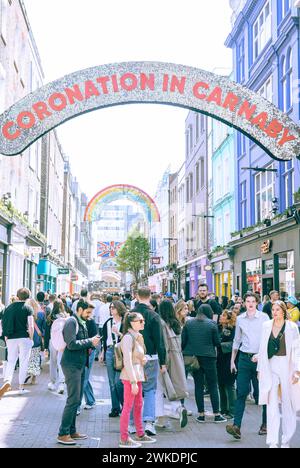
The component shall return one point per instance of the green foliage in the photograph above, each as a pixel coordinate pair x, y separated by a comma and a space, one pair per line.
134, 255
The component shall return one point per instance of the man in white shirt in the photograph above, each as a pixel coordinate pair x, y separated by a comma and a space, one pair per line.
248, 333
83, 295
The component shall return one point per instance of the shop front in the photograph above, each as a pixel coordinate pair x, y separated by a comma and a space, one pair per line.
269, 261
223, 278
47, 276
4, 240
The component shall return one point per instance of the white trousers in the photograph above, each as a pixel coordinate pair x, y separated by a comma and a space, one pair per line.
160, 410
18, 349
56, 373
280, 377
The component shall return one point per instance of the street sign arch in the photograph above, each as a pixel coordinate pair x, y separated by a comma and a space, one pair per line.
149, 82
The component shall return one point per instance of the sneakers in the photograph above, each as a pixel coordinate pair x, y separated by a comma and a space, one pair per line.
61, 389
273, 446
89, 407
6, 387
200, 419
114, 414
183, 417
132, 429
228, 416
66, 440
285, 446
263, 430
150, 429
51, 387
189, 413
77, 436
161, 423
220, 419
129, 444
145, 439
78, 412
235, 431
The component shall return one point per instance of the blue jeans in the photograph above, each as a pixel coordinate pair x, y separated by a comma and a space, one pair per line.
87, 387
115, 384
149, 389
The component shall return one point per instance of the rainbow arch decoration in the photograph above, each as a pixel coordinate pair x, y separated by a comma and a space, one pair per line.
121, 191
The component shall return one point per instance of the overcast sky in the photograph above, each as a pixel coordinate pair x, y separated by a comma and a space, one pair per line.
130, 144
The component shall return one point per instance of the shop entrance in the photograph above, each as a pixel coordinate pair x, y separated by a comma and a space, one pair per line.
267, 286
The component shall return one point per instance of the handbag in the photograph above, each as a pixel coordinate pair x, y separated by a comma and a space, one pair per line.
168, 387
191, 362
227, 347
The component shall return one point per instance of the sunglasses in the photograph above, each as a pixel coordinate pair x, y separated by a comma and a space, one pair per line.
141, 321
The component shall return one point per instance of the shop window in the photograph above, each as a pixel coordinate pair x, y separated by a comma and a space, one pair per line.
266, 89
289, 183
253, 275
286, 264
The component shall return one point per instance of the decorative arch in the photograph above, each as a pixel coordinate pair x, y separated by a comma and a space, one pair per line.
155, 83
118, 192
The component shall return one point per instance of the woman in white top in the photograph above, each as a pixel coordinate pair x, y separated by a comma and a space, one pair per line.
279, 375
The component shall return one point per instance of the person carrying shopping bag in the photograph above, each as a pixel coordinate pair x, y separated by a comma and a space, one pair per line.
132, 376
279, 375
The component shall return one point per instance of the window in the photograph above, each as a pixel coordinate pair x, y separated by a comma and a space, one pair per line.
219, 182
266, 90
3, 19
226, 177
241, 144
197, 178
289, 183
202, 173
286, 82
197, 126
191, 186
243, 205
219, 231
241, 61
264, 193
262, 30
227, 228
191, 138
187, 144
284, 7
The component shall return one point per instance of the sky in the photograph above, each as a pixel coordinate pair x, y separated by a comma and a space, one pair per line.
131, 144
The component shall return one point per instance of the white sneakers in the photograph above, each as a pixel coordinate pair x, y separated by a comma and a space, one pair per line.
51, 387
150, 429
61, 389
131, 429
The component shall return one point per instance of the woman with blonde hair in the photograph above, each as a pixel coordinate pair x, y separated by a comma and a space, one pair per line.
279, 375
34, 368
181, 312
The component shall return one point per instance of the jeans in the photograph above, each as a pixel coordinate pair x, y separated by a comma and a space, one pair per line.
135, 403
56, 373
18, 349
115, 384
228, 398
149, 389
247, 372
208, 370
87, 387
74, 379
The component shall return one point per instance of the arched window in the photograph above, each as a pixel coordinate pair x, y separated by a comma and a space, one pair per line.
286, 76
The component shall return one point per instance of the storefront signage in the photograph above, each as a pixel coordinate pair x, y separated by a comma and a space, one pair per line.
74, 277
149, 82
63, 271
35, 250
266, 247
155, 260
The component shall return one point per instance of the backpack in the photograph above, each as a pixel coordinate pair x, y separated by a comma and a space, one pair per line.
57, 337
118, 355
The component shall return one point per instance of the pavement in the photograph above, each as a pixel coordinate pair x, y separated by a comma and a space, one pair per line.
32, 421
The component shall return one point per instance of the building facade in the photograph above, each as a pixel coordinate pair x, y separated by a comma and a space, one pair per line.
266, 54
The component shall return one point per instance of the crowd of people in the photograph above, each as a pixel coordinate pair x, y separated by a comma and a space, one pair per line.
150, 344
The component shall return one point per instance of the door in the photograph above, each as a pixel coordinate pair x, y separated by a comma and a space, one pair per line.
268, 286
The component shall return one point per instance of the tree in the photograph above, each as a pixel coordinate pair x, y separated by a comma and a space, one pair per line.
134, 255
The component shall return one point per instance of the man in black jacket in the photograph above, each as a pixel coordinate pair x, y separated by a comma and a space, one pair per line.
200, 338
156, 356
204, 299
74, 360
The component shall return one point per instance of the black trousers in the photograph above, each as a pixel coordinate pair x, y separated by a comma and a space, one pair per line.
208, 373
